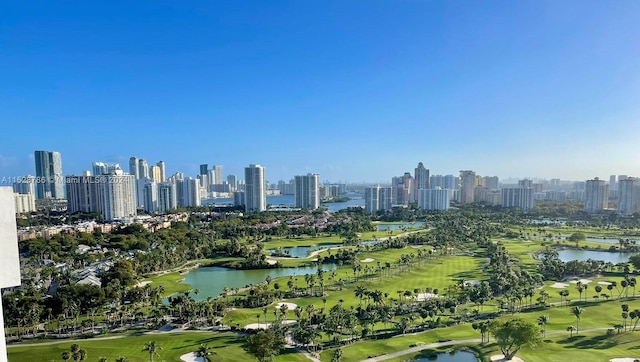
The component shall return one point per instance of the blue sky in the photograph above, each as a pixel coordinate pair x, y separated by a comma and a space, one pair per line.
353, 90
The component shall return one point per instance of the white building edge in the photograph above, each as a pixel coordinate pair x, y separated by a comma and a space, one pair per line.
9, 259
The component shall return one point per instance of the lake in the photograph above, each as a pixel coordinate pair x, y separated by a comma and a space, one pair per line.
583, 255
387, 227
303, 251
212, 280
289, 201
458, 356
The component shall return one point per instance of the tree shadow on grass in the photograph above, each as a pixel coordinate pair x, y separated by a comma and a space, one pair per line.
466, 276
582, 342
570, 339
222, 340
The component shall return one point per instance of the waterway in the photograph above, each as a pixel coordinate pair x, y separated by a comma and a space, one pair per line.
212, 280
389, 227
583, 255
289, 201
458, 356
303, 251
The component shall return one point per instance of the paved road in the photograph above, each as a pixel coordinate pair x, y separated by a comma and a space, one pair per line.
416, 349
420, 348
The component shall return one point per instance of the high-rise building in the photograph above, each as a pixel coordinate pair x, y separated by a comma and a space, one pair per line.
232, 180
156, 173
467, 186
84, 193
149, 194
167, 197
491, 182
521, 197
436, 181
25, 203
451, 182
372, 199
628, 196
99, 168
143, 168
613, 185
434, 199
255, 195
188, 192
421, 179
49, 179
596, 196
118, 196
217, 170
163, 170
377, 198
26, 185
211, 177
555, 195
525, 183
403, 189
487, 195
134, 167
386, 198
204, 169
238, 198
307, 193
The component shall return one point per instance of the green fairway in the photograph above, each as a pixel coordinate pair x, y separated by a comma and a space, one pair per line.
228, 347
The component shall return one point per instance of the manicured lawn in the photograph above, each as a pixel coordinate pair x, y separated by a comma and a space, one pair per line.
170, 282
592, 346
228, 347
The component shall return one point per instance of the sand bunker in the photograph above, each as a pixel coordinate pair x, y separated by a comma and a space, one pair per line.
291, 306
425, 296
500, 358
142, 284
559, 285
272, 262
367, 260
604, 283
583, 281
191, 357
267, 325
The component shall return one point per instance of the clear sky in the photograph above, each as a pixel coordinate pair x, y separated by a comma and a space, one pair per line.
352, 90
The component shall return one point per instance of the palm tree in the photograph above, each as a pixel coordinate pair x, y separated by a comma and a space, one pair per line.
360, 292
122, 359
152, 348
66, 356
102, 359
570, 329
543, 320
577, 312
283, 310
204, 351
337, 355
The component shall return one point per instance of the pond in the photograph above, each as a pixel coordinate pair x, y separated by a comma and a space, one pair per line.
389, 227
458, 356
583, 255
603, 241
212, 280
303, 251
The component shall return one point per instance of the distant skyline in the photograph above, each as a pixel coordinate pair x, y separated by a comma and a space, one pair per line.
351, 90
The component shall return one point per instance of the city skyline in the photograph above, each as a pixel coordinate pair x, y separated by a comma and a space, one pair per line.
353, 91
100, 167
